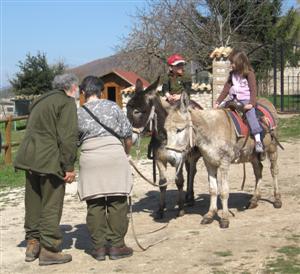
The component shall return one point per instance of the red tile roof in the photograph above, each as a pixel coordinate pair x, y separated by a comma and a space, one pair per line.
129, 76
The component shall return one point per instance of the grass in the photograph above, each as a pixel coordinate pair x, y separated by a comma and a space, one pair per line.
287, 262
289, 128
139, 151
290, 102
223, 253
10, 178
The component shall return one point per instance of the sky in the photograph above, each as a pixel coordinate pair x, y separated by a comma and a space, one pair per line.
73, 31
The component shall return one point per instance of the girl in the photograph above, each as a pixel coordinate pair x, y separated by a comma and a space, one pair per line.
242, 83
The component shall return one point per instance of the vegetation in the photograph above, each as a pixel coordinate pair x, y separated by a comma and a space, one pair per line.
223, 253
290, 102
195, 28
289, 128
35, 75
287, 262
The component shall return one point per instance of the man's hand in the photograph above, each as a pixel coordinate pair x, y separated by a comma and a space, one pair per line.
69, 177
248, 106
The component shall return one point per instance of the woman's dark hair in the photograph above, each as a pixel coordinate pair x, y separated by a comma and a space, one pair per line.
91, 85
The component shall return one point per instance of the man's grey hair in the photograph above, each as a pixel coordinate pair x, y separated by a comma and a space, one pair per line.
65, 81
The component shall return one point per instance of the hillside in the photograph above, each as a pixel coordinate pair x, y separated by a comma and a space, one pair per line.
99, 66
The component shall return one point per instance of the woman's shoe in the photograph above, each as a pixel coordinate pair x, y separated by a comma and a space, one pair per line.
100, 253
116, 253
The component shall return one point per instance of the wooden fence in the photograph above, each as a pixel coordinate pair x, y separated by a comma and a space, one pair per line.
8, 141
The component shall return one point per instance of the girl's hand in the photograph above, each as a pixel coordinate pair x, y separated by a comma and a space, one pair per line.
248, 106
216, 105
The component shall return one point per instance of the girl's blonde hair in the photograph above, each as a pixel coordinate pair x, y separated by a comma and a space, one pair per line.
241, 62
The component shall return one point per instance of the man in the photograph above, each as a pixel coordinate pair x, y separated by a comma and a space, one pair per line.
47, 154
173, 86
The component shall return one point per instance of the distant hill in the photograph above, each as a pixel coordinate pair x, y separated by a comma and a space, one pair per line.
6, 92
99, 66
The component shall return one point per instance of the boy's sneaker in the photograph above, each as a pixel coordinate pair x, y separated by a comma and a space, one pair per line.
259, 148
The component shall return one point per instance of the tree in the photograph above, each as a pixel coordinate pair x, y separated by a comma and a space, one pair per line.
195, 27
35, 75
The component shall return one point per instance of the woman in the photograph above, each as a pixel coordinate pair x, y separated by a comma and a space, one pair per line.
104, 176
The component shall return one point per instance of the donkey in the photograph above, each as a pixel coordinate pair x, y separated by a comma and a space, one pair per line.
140, 108
213, 132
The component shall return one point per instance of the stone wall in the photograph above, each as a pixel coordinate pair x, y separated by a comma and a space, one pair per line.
221, 69
203, 99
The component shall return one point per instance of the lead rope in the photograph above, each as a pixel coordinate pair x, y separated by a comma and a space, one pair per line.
135, 235
144, 177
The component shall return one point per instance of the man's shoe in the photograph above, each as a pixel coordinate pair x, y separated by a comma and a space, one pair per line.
100, 253
32, 250
116, 253
259, 148
48, 257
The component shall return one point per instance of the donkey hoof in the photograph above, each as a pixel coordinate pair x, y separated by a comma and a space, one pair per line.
207, 220
224, 223
180, 213
252, 205
277, 204
159, 215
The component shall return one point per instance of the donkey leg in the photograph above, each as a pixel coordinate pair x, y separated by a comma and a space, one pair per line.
190, 166
162, 197
257, 168
179, 183
224, 193
274, 171
213, 191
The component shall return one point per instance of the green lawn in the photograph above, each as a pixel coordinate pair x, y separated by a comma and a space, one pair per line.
289, 129
291, 103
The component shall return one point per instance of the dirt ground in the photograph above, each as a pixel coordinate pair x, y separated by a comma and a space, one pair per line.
251, 241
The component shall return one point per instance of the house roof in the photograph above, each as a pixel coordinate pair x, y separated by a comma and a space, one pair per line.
129, 76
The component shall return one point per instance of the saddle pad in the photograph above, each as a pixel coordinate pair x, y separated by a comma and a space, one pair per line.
241, 129
268, 115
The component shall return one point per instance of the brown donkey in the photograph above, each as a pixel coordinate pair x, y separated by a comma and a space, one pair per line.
213, 132
145, 108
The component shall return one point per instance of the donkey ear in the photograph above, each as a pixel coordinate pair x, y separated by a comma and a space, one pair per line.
152, 89
139, 85
184, 102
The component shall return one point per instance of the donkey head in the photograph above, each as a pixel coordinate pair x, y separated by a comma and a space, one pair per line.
139, 106
177, 125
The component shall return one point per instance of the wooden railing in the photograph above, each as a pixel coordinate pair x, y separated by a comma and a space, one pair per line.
8, 141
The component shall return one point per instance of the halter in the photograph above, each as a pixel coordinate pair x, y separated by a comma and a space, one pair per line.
191, 142
152, 119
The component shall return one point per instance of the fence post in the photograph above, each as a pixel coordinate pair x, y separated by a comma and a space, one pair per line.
7, 157
275, 73
281, 78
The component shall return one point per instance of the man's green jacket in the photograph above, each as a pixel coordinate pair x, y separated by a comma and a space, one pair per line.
50, 142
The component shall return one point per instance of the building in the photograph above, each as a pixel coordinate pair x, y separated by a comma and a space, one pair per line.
116, 81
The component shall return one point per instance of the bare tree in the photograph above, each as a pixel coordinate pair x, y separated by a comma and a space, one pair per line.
194, 28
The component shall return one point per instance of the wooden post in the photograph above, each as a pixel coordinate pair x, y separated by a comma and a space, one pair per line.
7, 157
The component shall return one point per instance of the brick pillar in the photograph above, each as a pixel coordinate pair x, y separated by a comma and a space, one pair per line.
220, 68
